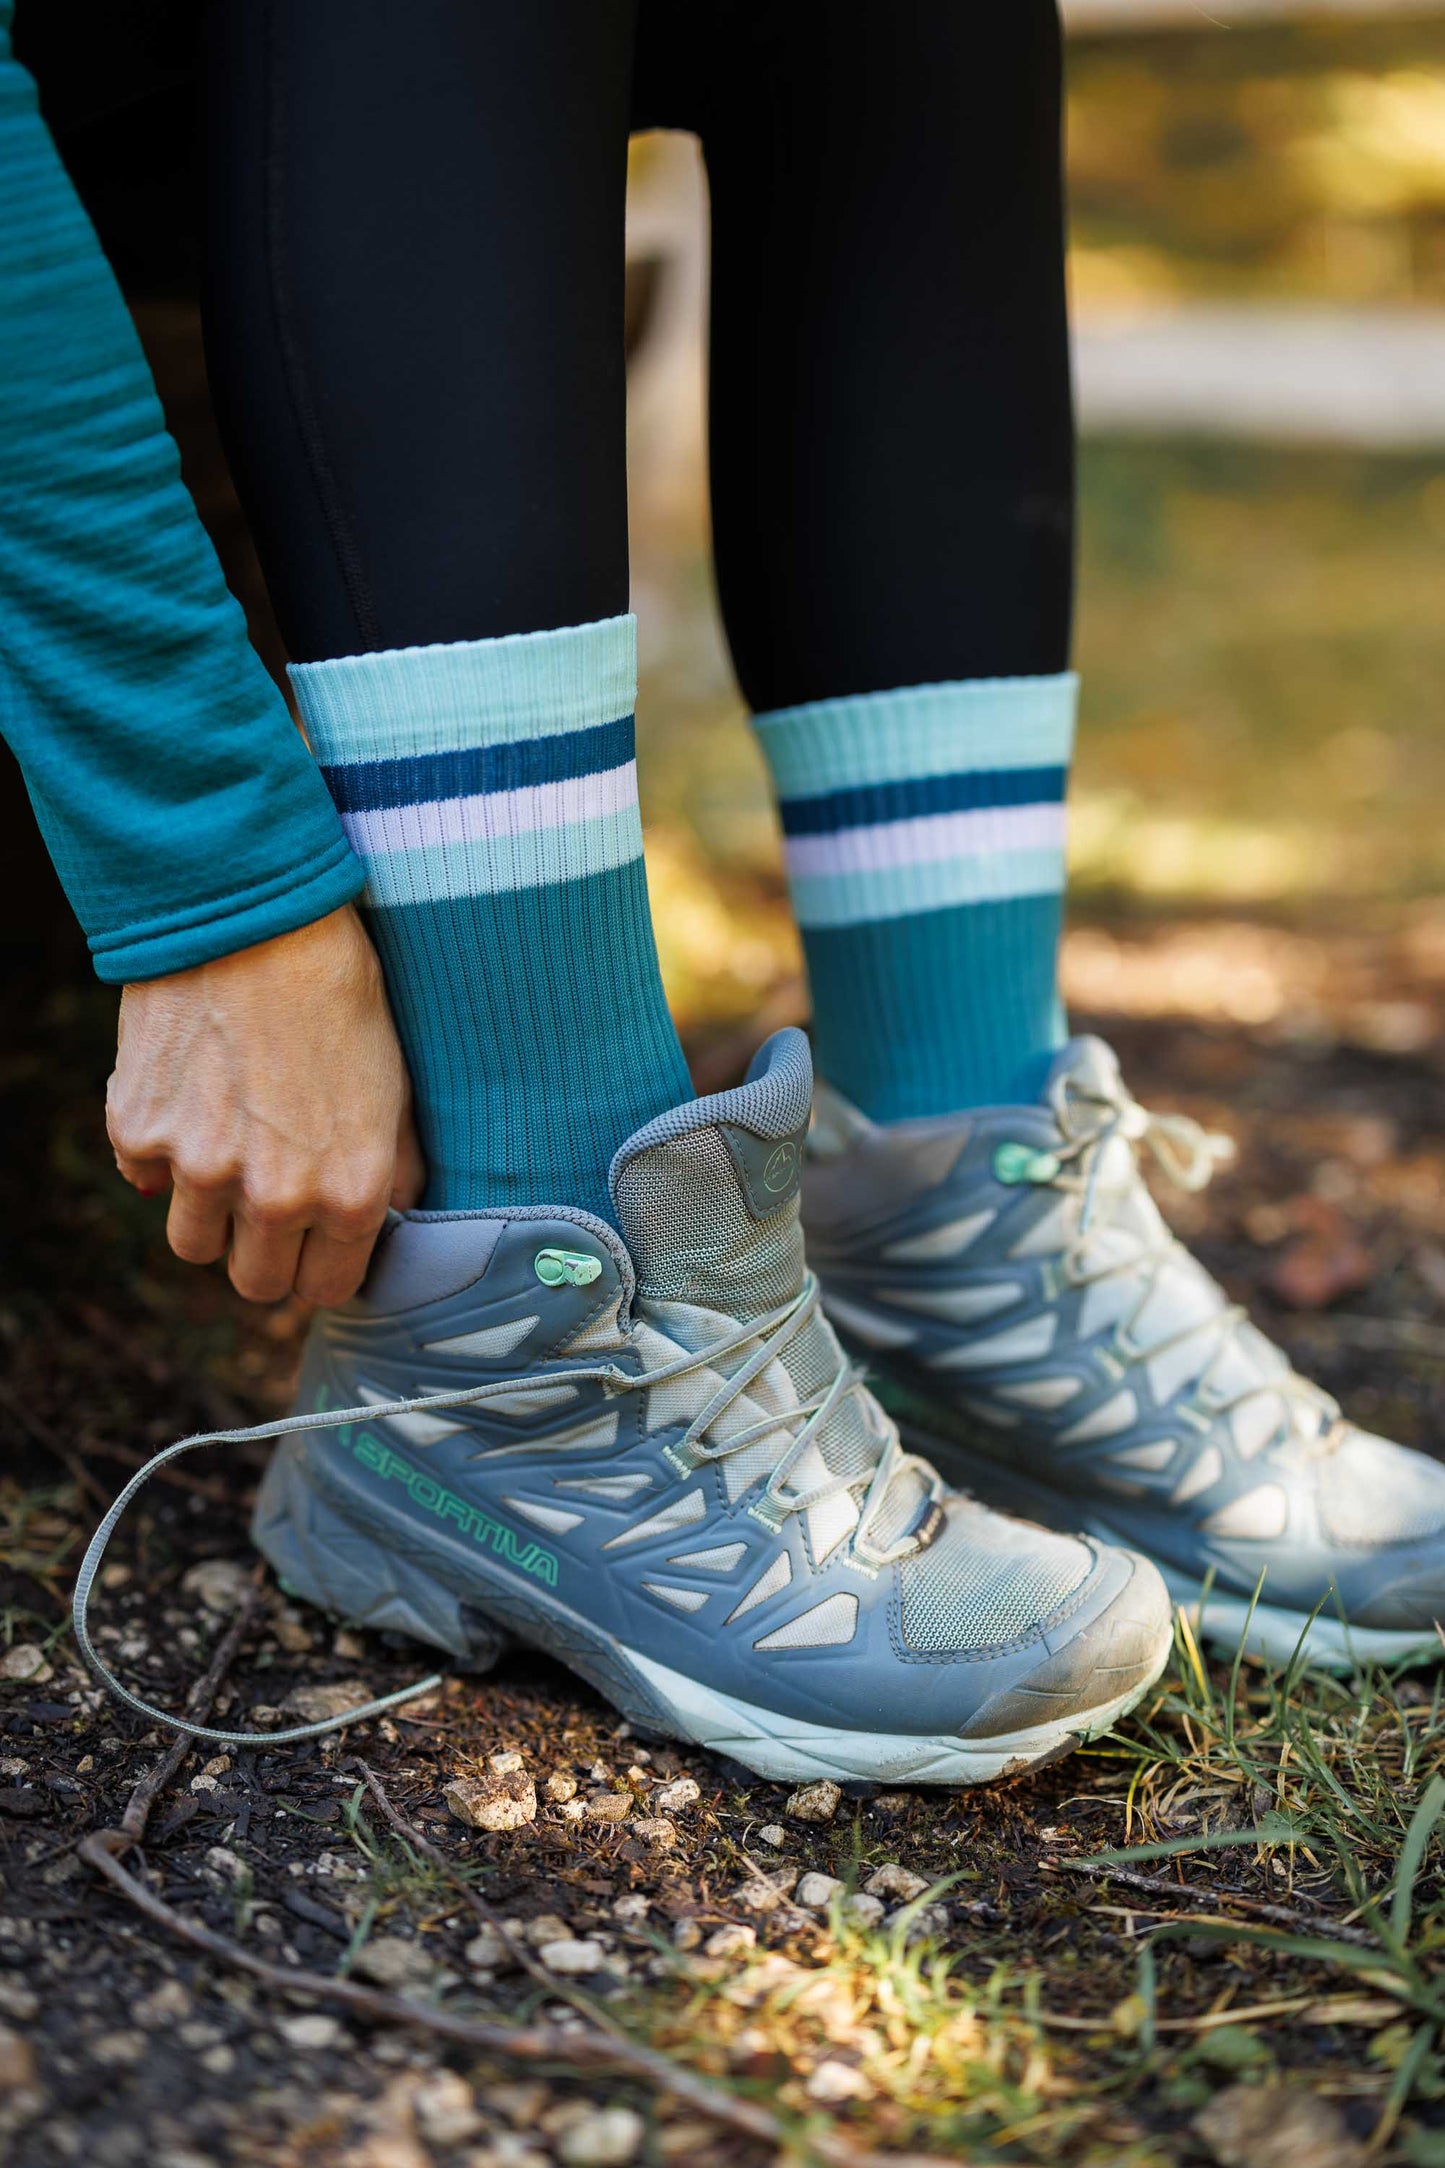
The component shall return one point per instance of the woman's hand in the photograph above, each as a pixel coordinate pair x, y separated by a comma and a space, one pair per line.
269, 1089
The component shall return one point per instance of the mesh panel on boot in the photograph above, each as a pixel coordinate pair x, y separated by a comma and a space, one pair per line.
694, 1240
1374, 1492
986, 1580
692, 1237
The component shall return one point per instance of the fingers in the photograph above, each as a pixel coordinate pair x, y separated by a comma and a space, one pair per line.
149, 1176
198, 1225
264, 1257
330, 1270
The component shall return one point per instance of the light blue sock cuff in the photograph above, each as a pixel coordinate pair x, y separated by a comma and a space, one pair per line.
975, 725
407, 701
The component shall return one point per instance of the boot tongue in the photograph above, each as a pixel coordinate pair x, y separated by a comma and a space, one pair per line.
707, 1198
707, 1194
1091, 1067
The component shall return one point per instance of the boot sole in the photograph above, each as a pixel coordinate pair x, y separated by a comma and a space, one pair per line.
340, 1547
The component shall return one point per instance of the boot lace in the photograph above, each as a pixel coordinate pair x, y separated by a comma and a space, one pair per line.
1090, 1118
772, 1332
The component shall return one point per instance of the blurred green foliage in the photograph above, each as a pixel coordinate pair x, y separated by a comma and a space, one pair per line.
1291, 160
1261, 630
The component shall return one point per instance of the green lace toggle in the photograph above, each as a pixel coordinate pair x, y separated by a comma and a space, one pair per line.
566, 1268
1021, 1163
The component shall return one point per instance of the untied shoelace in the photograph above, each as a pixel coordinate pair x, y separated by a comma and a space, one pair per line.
773, 1332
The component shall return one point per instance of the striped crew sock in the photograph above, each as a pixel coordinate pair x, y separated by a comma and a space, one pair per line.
924, 837
490, 788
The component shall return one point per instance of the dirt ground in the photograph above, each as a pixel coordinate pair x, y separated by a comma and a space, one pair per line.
1007, 2017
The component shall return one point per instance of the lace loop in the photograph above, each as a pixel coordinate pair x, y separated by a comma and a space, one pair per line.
1090, 1117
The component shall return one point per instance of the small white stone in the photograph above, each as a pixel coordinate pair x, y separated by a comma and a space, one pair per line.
507, 2150
391, 1962
672, 1798
546, 1927
896, 1883
603, 2138
572, 1956
774, 1834
815, 1802
313, 2030
686, 1934
632, 1907
561, 1786
445, 2109
608, 1806
486, 1952
319, 1704
657, 1831
494, 1801
25, 1662
571, 1810
930, 1922
815, 1892
762, 1895
833, 2082
863, 1911
731, 1941
219, 1584
506, 1764
116, 2049
167, 2004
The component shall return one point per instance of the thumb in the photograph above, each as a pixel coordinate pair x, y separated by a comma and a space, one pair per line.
409, 1180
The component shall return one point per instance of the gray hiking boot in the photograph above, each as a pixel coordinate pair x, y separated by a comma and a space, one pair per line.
1044, 1337
665, 1472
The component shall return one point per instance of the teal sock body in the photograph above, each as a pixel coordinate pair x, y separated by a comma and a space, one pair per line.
924, 836
490, 789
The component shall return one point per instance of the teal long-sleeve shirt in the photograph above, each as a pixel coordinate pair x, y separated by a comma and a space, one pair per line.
180, 805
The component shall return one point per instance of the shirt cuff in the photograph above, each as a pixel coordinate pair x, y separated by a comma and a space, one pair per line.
182, 939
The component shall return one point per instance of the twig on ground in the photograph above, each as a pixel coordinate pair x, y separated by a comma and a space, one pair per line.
198, 1707
571, 2048
199, 1486
1246, 2014
520, 1955
568, 2047
47, 1440
1158, 1885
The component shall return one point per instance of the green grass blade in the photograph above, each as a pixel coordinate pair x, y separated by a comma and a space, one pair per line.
1271, 1829
1412, 1855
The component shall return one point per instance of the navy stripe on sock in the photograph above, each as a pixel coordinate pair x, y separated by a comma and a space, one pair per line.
369, 786
871, 803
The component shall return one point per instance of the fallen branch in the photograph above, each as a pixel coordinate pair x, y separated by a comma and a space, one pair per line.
572, 2049
50, 1442
1158, 1885
198, 1707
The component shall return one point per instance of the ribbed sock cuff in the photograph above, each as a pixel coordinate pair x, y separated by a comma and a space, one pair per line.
977, 726
409, 701
924, 840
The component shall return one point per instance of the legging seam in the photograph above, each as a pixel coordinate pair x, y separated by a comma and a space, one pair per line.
308, 425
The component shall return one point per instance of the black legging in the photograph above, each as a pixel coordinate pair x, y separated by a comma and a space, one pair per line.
416, 300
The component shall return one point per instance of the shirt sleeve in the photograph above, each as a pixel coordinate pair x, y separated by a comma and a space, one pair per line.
184, 814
